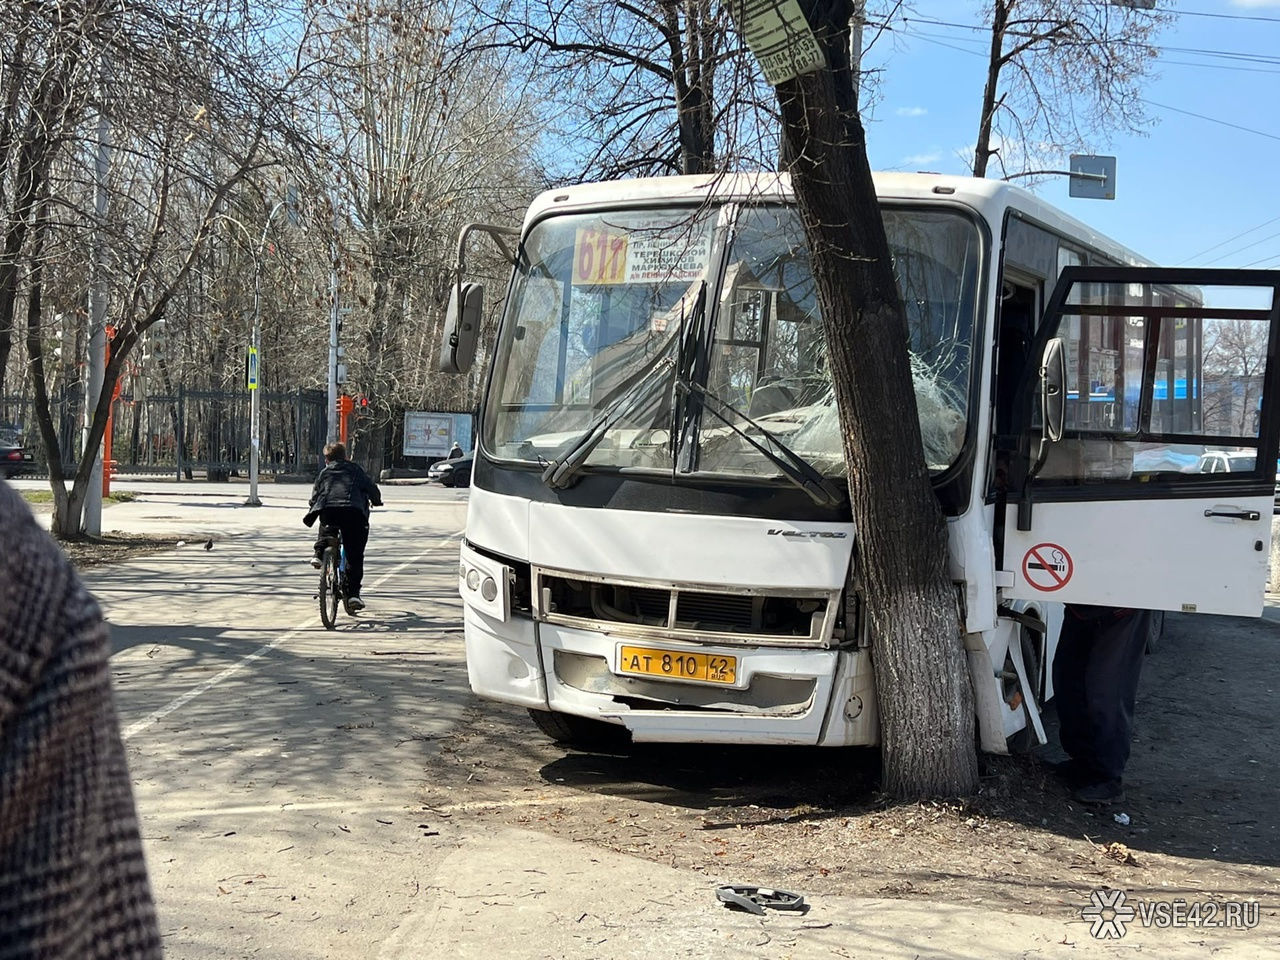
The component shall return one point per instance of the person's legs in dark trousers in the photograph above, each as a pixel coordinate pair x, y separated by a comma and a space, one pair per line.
1095, 678
355, 535
326, 528
1111, 686
1070, 667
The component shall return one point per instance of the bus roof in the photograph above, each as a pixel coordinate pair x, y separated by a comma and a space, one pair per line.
991, 198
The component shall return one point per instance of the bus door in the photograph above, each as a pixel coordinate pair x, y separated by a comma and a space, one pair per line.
1146, 442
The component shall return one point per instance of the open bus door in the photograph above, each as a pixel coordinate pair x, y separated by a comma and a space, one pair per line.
1146, 375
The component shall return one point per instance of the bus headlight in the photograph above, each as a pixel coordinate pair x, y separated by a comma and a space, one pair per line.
489, 589
473, 579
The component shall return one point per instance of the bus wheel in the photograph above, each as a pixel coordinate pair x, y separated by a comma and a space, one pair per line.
575, 731
1155, 630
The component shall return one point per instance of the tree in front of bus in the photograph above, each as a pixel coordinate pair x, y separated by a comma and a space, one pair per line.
921, 670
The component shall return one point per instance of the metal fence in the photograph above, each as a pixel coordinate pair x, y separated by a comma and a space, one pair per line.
191, 432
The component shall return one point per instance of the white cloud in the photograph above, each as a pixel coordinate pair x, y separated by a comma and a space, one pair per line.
911, 111
921, 159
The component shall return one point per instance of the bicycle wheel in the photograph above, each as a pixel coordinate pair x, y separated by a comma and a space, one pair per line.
329, 589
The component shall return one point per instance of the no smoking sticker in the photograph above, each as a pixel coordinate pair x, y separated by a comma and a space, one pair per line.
1047, 567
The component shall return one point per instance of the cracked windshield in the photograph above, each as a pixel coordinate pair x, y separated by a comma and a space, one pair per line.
596, 328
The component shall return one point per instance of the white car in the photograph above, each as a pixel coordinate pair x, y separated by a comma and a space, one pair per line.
1234, 461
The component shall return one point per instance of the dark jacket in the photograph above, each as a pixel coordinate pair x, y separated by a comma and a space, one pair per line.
342, 484
73, 883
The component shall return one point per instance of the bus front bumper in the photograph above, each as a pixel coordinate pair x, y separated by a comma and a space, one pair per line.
780, 695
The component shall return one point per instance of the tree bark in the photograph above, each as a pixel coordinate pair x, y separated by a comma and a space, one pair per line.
924, 692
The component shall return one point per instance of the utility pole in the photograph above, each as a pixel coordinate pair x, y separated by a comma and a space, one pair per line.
857, 20
332, 434
255, 363
97, 360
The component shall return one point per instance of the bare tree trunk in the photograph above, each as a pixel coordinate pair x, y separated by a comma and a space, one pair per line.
35, 354
982, 151
926, 702
691, 75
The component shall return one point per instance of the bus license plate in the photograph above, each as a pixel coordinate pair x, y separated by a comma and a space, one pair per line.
678, 665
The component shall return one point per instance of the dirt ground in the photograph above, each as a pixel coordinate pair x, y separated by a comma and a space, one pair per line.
112, 547
1204, 822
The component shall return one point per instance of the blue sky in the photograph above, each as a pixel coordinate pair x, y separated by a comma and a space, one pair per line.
1190, 185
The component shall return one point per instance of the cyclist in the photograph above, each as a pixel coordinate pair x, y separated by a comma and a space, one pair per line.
341, 499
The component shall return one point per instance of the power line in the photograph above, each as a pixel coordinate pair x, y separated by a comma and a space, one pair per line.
1213, 66
1189, 113
1232, 253
1201, 116
1162, 106
1274, 256
1195, 51
1223, 243
1221, 16
943, 43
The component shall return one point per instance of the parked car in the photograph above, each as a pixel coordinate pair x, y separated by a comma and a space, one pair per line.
15, 458
452, 473
1228, 461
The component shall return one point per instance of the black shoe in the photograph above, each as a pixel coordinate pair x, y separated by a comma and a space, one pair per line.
1072, 773
354, 604
1101, 793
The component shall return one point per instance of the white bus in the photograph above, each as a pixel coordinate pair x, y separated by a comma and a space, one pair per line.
659, 538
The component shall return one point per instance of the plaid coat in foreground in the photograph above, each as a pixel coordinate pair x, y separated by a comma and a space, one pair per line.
73, 884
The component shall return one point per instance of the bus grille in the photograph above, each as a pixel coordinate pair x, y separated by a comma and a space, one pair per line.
719, 611
598, 603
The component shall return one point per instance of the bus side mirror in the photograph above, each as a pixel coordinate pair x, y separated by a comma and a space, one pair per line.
461, 328
1053, 389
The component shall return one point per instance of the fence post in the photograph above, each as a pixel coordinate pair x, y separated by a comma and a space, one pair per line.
297, 432
182, 430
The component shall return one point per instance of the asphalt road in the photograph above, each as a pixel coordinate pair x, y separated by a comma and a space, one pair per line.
280, 768
277, 764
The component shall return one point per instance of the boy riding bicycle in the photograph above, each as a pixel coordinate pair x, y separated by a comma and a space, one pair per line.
341, 499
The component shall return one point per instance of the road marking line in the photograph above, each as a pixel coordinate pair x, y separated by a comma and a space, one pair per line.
179, 702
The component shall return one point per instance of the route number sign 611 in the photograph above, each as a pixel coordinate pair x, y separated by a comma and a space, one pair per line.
599, 257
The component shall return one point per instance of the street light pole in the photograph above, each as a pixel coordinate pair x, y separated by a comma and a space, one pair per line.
92, 520
255, 363
332, 432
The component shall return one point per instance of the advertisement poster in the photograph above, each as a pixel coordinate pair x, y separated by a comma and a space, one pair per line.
429, 434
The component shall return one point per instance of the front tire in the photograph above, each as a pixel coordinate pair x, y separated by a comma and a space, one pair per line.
575, 731
329, 589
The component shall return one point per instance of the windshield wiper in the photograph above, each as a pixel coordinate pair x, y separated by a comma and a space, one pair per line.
793, 466
560, 472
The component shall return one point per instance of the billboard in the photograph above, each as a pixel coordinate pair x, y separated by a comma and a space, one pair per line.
429, 434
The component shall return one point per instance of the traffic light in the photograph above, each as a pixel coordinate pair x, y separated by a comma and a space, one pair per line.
345, 404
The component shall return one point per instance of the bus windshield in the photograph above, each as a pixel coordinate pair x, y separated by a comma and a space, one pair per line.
601, 299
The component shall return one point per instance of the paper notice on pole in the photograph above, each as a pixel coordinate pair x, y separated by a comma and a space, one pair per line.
779, 36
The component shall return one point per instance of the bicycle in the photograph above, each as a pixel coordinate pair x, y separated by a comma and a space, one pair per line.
333, 581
